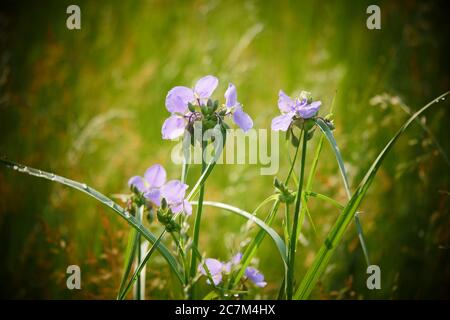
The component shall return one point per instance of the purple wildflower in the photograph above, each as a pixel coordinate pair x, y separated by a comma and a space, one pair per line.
255, 276
153, 186
234, 107
293, 109
179, 98
215, 268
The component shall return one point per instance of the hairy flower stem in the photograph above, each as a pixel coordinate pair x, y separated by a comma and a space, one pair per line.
293, 241
198, 217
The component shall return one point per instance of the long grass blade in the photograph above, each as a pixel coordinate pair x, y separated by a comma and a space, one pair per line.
337, 231
330, 137
279, 243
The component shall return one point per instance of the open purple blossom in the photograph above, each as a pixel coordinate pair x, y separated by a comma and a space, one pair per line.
154, 188
181, 102
293, 109
177, 101
234, 107
217, 269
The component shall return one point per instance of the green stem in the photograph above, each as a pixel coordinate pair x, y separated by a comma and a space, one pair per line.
198, 217
293, 242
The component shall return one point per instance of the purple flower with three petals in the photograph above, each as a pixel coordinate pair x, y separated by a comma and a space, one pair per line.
179, 98
234, 107
154, 188
293, 109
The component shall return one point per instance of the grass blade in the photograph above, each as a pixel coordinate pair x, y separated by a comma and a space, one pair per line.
275, 237
330, 137
337, 231
104, 200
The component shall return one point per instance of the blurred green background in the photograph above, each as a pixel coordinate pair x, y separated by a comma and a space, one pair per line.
89, 105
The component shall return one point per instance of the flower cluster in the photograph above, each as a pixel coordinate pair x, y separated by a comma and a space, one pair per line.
188, 105
154, 188
218, 269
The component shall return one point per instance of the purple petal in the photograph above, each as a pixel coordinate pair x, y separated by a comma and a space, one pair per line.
206, 86
137, 182
242, 119
187, 207
183, 206
285, 103
214, 267
231, 96
177, 99
155, 176
282, 122
236, 258
174, 191
227, 267
173, 127
309, 110
255, 276
217, 278
154, 195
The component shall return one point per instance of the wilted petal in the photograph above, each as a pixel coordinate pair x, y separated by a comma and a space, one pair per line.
137, 182
174, 191
255, 276
177, 99
285, 103
155, 176
154, 195
206, 86
173, 127
242, 119
309, 110
231, 96
282, 122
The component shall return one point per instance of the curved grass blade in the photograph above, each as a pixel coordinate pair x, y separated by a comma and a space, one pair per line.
275, 237
330, 137
131, 220
129, 254
336, 233
251, 249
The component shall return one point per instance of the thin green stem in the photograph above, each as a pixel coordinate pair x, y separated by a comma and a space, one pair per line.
198, 217
293, 242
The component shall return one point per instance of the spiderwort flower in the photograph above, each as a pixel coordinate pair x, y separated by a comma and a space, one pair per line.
234, 107
154, 188
293, 109
181, 102
177, 101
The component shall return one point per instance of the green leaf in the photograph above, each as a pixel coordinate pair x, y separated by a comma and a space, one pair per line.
337, 231
104, 200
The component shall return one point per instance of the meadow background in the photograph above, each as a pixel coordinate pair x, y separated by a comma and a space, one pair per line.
89, 105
